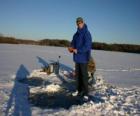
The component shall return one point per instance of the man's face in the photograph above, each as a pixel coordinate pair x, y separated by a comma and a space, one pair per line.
80, 25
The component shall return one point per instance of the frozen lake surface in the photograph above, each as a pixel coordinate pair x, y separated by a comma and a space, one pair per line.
113, 68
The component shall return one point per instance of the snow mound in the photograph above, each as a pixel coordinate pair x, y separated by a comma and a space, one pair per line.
52, 88
38, 73
52, 95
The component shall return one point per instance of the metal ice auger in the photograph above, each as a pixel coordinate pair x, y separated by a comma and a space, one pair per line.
58, 58
57, 66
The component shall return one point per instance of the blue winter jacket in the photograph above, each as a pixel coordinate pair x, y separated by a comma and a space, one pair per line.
82, 41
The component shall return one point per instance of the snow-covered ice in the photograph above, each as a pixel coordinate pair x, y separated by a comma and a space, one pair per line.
116, 92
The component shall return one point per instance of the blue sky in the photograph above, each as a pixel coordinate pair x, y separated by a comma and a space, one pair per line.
111, 21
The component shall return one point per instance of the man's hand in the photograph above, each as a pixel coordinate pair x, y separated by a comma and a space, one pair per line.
70, 49
75, 51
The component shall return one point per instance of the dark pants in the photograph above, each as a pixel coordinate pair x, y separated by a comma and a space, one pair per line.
82, 77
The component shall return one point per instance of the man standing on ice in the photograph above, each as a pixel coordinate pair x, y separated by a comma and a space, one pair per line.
81, 49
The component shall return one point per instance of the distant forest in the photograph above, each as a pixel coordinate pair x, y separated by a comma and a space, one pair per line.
65, 43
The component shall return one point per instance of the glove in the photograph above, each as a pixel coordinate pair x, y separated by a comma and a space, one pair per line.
70, 49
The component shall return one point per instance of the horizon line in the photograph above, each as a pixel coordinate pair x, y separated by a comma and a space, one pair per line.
2, 35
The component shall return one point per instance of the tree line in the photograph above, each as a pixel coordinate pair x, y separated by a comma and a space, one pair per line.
65, 43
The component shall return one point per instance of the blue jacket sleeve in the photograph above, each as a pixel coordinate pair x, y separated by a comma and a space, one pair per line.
87, 45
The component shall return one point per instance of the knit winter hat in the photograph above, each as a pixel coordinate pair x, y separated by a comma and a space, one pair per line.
79, 19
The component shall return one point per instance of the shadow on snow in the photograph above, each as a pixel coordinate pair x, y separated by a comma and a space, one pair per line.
19, 96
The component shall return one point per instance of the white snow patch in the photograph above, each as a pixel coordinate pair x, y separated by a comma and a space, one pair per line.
38, 73
53, 88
